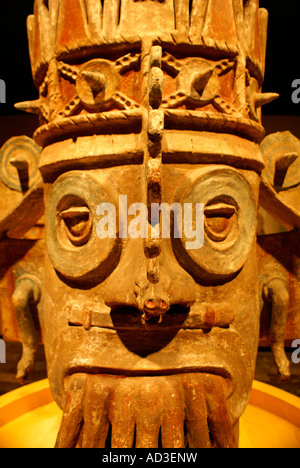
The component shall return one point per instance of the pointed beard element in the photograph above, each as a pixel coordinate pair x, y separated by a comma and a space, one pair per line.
175, 411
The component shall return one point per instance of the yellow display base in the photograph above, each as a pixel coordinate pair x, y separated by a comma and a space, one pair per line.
29, 418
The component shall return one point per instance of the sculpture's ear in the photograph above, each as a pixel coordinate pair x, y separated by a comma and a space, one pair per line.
21, 275
21, 242
280, 182
21, 190
278, 254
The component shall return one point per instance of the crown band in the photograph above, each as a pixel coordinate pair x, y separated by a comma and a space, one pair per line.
92, 62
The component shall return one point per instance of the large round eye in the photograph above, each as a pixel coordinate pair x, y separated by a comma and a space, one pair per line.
229, 223
74, 247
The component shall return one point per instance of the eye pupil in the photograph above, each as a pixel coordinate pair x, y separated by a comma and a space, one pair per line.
77, 225
219, 219
218, 225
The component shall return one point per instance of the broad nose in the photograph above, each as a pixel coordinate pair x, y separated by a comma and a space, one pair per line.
152, 287
156, 306
155, 303
173, 286
153, 299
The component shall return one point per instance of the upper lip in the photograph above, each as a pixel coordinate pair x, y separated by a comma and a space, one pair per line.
204, 316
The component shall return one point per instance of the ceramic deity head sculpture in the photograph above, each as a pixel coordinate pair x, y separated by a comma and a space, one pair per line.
151, 339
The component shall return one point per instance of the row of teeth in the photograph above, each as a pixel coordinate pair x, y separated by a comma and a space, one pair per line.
176, 411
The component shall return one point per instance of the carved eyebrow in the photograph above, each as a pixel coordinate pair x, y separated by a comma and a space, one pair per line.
75, 211
222, 209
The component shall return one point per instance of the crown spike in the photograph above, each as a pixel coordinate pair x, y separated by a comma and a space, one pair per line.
31, 40
45, 28
250, 10
72, 17
182, 17
264, 20
255, 52
96, 80
111, 16
251, 25
53, 12
147, 18
94, 16
36, 42
238, 8
198, 14
257, 100
32, 107
261, 99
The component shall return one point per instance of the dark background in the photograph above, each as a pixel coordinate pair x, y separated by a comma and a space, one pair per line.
283, 58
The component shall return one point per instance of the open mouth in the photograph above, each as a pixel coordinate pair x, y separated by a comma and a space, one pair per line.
144, 338
175, 411
147, 407
171, 383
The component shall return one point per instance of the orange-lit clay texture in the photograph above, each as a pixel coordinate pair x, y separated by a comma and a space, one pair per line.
161, 101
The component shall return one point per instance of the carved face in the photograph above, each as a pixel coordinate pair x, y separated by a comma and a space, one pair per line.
157, 101
135, 326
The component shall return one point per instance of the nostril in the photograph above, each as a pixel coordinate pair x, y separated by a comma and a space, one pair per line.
163, 305
150, 304
156, 306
